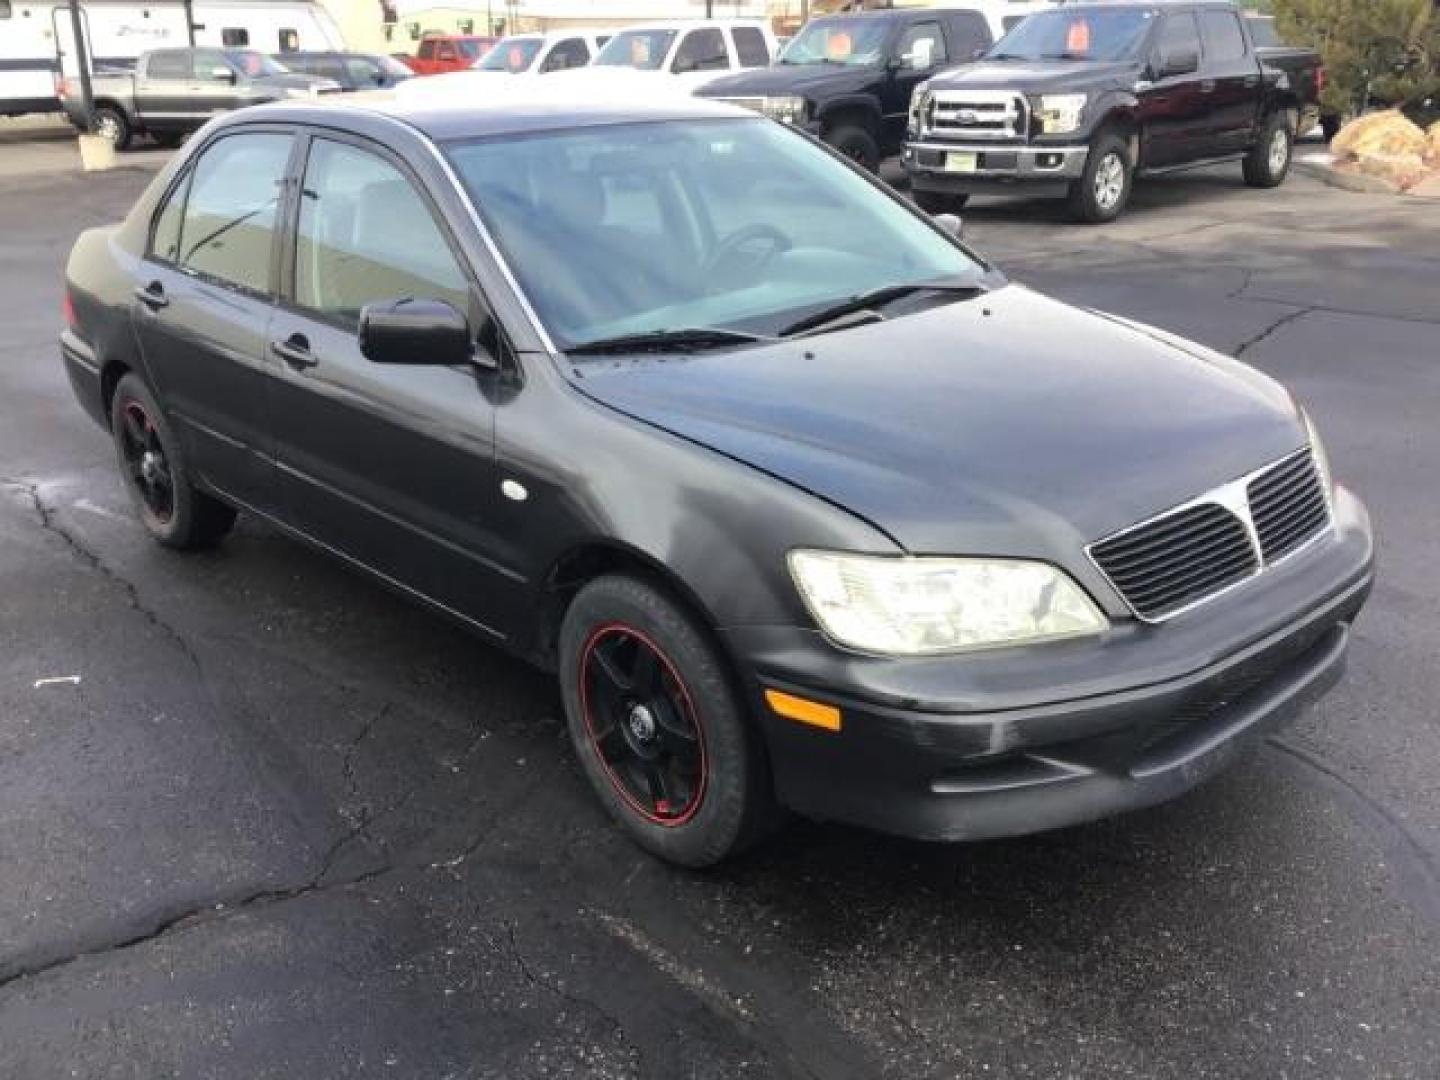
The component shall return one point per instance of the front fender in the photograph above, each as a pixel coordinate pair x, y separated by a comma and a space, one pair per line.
849, 103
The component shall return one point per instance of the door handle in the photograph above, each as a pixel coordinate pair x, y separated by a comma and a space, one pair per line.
152, 295
1207, 86
295, 351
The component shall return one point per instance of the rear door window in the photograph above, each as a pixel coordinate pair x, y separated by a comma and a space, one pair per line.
1179, 34
750, 47
1223, 38
170, 64
570, 53
228, 227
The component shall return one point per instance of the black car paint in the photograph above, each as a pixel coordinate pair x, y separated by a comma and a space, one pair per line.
1214, 113
874, 96
1050, 426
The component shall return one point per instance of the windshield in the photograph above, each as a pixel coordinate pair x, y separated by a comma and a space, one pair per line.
1095, 34
643, 49
852, 42
739, 225
251, 63
512, 54
471, 48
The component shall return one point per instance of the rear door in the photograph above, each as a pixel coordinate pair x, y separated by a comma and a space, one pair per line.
391, 466
162, 90
1174, 109
1233, 76
203, 305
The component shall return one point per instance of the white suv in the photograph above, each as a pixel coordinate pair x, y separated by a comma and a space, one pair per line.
541, 54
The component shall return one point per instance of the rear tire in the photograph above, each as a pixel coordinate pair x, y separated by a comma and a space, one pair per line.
1268, 162
855, 143
636, 672
1103, 189
157, 475
114, 125
939, 202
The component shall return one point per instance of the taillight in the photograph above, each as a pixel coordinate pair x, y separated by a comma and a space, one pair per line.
1320, 78
67, 309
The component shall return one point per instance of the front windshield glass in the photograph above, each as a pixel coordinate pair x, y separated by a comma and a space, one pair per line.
738, 225
852, 42
511, 54
643, 49
252, 63
1095, 34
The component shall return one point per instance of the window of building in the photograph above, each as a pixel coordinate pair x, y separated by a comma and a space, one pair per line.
235, 37
289, 41
229, 220
366, 235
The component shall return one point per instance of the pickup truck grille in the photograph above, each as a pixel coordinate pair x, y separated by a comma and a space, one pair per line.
972, 115
1187, 555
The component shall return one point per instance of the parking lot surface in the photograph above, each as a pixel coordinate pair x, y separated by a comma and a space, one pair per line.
273, 822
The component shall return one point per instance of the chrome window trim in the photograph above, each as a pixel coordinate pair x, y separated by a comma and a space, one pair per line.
1234, 497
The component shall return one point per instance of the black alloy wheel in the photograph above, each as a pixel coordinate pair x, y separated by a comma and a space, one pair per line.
146, 466
641, 722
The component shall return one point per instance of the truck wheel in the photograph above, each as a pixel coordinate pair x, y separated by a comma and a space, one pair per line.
659, 726
157, 474
855, 143
112, 123
1268, 162
939, 202
1104, 186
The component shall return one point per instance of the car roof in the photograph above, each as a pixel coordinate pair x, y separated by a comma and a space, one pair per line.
501, 113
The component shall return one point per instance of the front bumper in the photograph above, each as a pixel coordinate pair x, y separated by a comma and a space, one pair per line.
998, 167
1018, 741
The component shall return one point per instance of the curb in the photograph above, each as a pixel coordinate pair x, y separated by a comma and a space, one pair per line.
1321, 169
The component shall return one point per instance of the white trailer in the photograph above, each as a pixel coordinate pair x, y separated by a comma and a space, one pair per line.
37, 45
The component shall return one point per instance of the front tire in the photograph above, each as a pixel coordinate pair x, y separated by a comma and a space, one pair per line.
1268, 162
855, 143
658, 725
113, 124
939, 202
158, 476
1103, 189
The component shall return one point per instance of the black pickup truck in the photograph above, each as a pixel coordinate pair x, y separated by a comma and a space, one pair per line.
848, 79
173, 92
1078, 101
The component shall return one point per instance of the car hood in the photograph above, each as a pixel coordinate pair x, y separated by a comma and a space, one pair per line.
1008, 423
1035, 76
791, 79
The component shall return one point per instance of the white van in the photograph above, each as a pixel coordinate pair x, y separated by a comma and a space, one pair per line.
689, 53
37, 44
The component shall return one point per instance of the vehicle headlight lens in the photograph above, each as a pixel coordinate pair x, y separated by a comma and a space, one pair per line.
788, 109
916, 606
1322, 459
1059, 114
918, 100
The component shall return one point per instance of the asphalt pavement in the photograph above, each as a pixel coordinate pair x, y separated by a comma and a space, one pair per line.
260, 818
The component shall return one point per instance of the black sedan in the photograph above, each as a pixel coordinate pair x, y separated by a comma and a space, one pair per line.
805, 505
353, 71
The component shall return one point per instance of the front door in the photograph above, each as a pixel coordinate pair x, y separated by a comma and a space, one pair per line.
1175, 108
163, 91
1233, 74
391, 466
203, 306
918, 54
212, 84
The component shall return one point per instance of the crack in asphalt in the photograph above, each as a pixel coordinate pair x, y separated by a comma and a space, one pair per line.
51, 524
1274, 327
1417, 865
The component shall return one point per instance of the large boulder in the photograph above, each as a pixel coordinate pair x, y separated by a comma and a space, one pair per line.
1382, 134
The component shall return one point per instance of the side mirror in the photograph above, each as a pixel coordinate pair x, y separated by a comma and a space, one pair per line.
415, 332
1179, 63
222, 74
952, 224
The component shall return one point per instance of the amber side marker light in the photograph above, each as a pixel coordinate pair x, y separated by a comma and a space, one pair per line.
803, 710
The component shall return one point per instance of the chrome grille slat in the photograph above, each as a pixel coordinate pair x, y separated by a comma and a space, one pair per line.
964, 115
1190, 554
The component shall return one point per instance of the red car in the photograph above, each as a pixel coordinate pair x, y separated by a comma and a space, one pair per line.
439, 53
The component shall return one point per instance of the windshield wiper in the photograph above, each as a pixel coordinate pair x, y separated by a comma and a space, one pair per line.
693, 339
874, 299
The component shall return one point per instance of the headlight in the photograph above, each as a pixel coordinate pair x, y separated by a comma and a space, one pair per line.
1322, 459
1059, 114
918, 100
788, 110
915, 606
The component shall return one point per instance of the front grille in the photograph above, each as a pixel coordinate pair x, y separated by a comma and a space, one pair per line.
1234, 532
1172, 561
1287, 503
969, 115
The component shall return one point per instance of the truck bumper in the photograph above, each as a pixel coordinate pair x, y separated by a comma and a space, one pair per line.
996, 169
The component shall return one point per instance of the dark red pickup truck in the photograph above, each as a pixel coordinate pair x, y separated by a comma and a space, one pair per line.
439, 53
